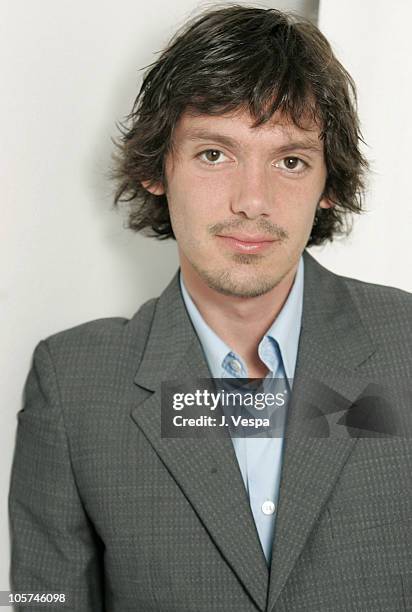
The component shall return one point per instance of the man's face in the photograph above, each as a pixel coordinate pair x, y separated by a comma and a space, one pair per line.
242, 200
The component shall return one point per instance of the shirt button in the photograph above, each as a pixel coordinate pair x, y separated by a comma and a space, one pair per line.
268, 507
235, 365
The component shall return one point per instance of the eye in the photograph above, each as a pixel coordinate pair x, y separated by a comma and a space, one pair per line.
292, 164
212, 157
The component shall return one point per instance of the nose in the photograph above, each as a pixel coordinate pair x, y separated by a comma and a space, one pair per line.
251, 195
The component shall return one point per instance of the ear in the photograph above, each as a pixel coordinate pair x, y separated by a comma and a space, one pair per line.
154, 188
325, 203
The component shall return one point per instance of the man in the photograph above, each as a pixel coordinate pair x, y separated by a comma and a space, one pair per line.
243, 145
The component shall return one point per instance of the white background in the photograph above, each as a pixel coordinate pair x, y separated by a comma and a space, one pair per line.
70, 70
372, 39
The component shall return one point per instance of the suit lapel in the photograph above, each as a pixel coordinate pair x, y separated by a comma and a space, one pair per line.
206, 470
332, 344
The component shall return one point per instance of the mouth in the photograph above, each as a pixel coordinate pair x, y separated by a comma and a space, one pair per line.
247, 244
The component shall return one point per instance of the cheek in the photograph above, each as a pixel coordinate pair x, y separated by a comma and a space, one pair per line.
197, 203
301, 203
186, 217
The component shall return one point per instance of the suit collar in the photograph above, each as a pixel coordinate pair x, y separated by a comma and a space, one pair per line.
332, 317
171, 339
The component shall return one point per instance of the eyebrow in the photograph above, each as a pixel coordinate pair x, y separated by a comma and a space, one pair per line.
301, 144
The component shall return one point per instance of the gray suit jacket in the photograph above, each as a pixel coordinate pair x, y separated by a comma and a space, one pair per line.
104, 509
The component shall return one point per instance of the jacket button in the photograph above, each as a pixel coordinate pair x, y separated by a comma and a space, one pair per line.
268, 507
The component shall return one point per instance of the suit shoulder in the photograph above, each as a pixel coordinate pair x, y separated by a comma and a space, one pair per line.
382, 296
97, 334
87, 361
385, 311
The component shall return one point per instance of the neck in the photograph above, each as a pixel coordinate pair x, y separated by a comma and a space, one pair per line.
231, 316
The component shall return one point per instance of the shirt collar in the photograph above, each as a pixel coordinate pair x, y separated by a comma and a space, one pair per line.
285, 329
214, 348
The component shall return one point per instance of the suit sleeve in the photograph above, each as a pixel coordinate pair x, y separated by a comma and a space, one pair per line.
54, 547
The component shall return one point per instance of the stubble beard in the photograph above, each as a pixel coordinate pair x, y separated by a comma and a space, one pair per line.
227, 283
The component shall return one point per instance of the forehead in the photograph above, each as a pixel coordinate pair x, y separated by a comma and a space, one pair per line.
239, 126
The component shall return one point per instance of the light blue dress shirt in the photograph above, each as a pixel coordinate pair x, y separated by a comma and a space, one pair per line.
260, 459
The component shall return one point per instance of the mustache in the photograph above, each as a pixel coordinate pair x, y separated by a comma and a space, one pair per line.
263, 225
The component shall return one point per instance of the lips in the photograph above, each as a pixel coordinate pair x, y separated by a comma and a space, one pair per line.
243, 243
249, 239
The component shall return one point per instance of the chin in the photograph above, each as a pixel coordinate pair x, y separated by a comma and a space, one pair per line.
228, 283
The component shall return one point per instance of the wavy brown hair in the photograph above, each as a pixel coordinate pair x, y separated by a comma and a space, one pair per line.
239, 57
